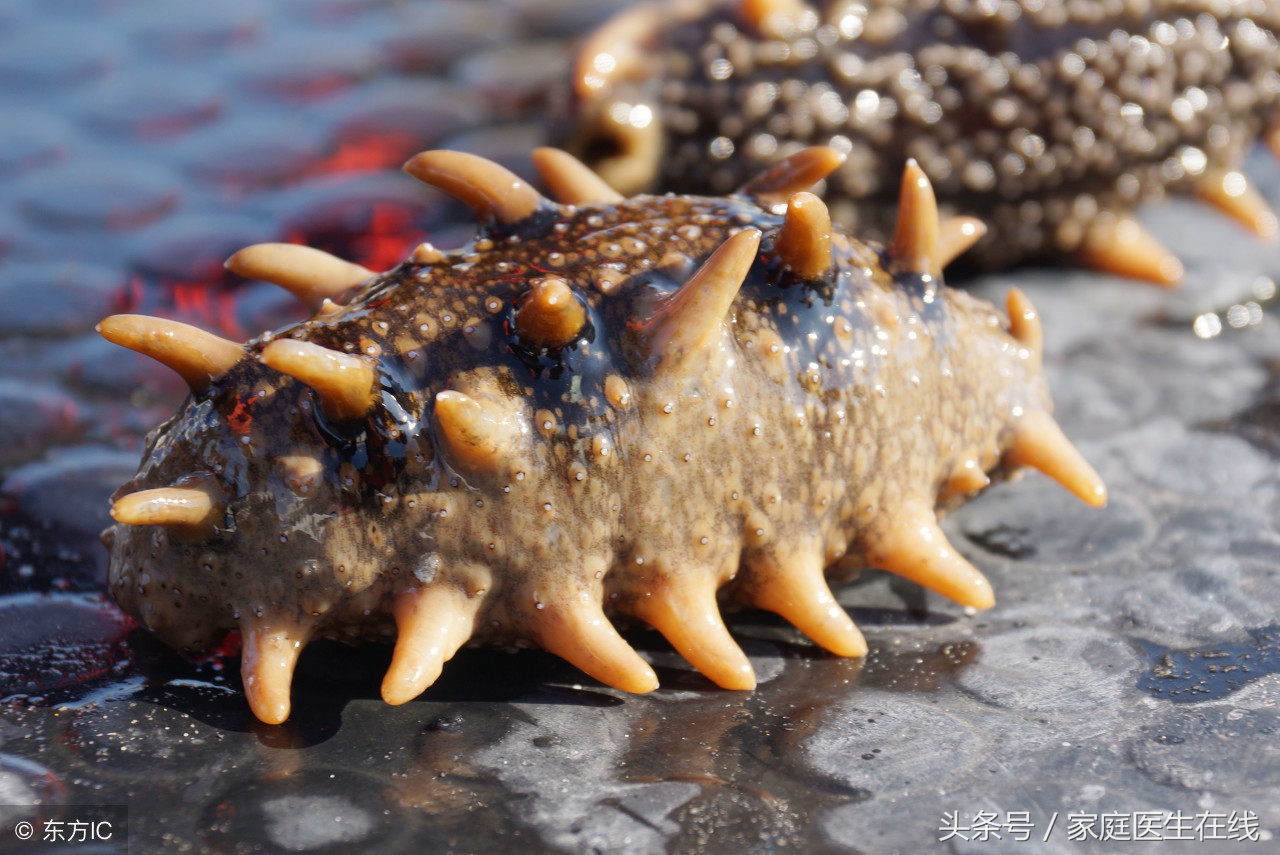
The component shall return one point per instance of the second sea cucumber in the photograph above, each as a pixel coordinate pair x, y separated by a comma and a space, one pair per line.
1050, 120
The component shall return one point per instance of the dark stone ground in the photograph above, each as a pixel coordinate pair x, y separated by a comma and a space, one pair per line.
1127, 675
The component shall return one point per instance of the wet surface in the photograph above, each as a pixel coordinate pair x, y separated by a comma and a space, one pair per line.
1208, 673
1128, 671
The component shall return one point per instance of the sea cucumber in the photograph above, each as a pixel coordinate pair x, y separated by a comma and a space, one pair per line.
1051, 120
599, 407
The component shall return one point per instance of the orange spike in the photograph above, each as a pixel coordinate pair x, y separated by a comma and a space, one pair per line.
773, 19
915, 247
1120, 245
570, 180
433, 623
199, 357
268, 655
550, 315
309, 274
688, 320
1272, 138
616, 49
1039, 443
426, 253
478, 437
684, 610
490, 190
580, 633
632, 136
804, 241
177, 507
966, 477
302, 472
344, 383
956, 235
796, 589
1230, 192
792, 174
1024, 322
910, 544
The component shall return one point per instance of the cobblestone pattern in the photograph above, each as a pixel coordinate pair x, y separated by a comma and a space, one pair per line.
1126, 683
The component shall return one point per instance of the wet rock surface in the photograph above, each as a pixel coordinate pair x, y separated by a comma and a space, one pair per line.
1124, 688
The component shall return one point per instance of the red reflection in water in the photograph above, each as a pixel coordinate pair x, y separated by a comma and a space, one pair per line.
389, 239
376, 234
230, 646
207, 305
167, 127
389, 233
364, 152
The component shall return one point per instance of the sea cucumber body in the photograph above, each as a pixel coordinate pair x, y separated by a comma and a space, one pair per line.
1038, 117
580, 415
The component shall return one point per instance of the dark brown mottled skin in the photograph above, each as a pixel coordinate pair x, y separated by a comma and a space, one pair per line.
1034, 115
816, 422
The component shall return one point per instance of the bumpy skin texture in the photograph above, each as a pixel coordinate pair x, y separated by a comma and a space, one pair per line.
1042, 117
575, 413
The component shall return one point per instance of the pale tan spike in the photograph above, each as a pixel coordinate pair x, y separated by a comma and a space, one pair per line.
632, 136
804, 241
344, 383
477, 437
910, 544
578, 631
426, 253
433, 622
1039, 443
1024, 322
798, 591
916, 244
616, 49
550, 315
1120, 245
178, 507
685, 612
268, 655
1231, 193
199, 357
966, 477
689, 319
311, 275
775, 19
955, 237
492, 191
792, 174
571, 181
